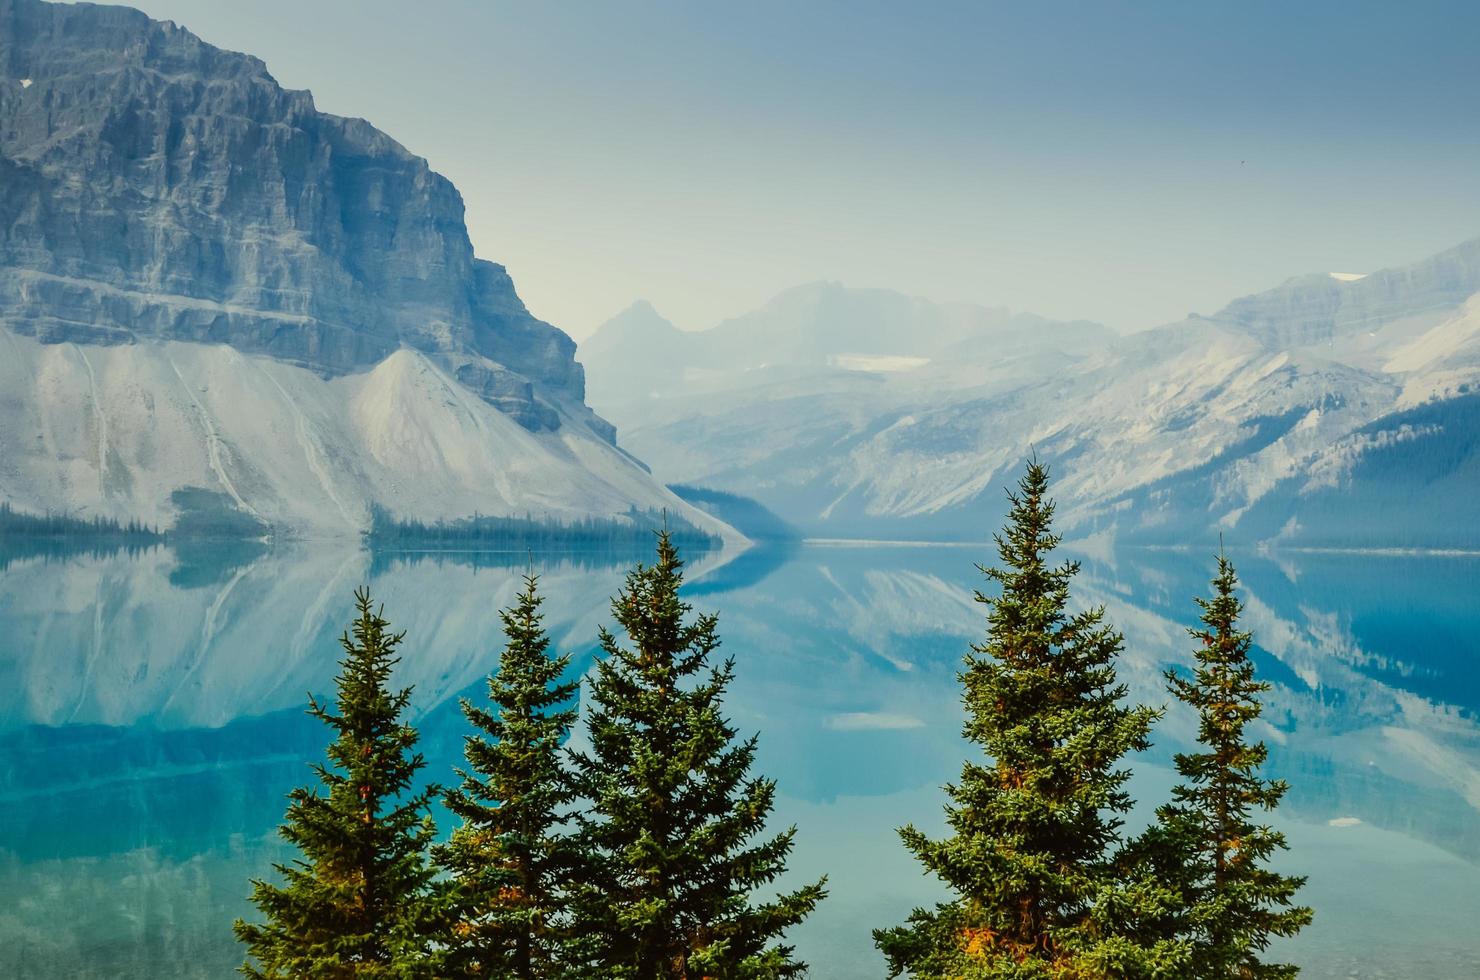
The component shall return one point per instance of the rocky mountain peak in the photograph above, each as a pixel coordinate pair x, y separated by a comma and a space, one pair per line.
154, 187
1322, 306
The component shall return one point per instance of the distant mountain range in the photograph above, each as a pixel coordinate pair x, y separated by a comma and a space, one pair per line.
209, 286
1335, 410
212, 295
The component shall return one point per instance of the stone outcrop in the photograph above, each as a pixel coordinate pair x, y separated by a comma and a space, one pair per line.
1321, 307
155, 187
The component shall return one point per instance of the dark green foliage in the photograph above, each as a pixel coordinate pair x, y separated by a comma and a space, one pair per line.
748, 516
631, 530
511, 858
671, 856
18, 548
1205, 841
1032, 856
210, 515
19, 524
361, 901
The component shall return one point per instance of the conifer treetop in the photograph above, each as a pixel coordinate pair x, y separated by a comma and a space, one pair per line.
1034, 827
513, 854
674, 841
361, 900
1236, 903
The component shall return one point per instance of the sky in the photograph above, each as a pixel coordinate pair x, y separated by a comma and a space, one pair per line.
1122, 162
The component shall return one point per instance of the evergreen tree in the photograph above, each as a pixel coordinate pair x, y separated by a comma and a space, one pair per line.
1206, 840
672, 859
361, 901
510, 858
1032, 856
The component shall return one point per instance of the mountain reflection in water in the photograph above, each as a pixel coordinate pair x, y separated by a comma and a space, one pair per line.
151, 722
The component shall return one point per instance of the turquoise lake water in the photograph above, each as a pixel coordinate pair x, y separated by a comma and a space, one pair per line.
151, 722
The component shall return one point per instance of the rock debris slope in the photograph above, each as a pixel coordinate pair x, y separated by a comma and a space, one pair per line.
206, 282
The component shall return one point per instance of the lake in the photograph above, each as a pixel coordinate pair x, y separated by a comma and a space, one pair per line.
151, 723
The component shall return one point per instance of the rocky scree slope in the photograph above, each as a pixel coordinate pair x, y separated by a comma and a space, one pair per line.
174, 224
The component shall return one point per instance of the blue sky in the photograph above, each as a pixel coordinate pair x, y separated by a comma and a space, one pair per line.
1114, 161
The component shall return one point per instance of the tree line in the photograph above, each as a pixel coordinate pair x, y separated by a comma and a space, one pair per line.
49, 525
644, 854
537, 533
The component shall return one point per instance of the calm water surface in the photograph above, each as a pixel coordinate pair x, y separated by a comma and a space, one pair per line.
151, 722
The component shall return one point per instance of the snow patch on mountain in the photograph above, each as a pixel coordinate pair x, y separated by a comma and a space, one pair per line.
1444, 341
877, 363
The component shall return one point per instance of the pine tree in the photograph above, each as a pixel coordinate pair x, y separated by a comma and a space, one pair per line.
361, 902
1032, 856
1206, 840
511, 856
672, 860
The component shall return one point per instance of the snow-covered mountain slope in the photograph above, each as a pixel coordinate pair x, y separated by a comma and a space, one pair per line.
117, 430
208, 285
1305, 414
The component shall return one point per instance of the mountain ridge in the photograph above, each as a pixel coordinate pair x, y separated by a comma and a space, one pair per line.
219, 207
1261, 420
209, 289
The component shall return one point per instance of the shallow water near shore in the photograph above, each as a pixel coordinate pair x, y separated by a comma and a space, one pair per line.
151, 722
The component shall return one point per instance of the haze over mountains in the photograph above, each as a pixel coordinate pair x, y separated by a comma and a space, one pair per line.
1334, 410
207, 283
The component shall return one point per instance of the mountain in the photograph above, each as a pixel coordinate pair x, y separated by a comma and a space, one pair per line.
821, 335
777, 404
1332, 411
205, 282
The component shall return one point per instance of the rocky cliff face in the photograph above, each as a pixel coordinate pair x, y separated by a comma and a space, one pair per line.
1321, 308
155, 187
211, 291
